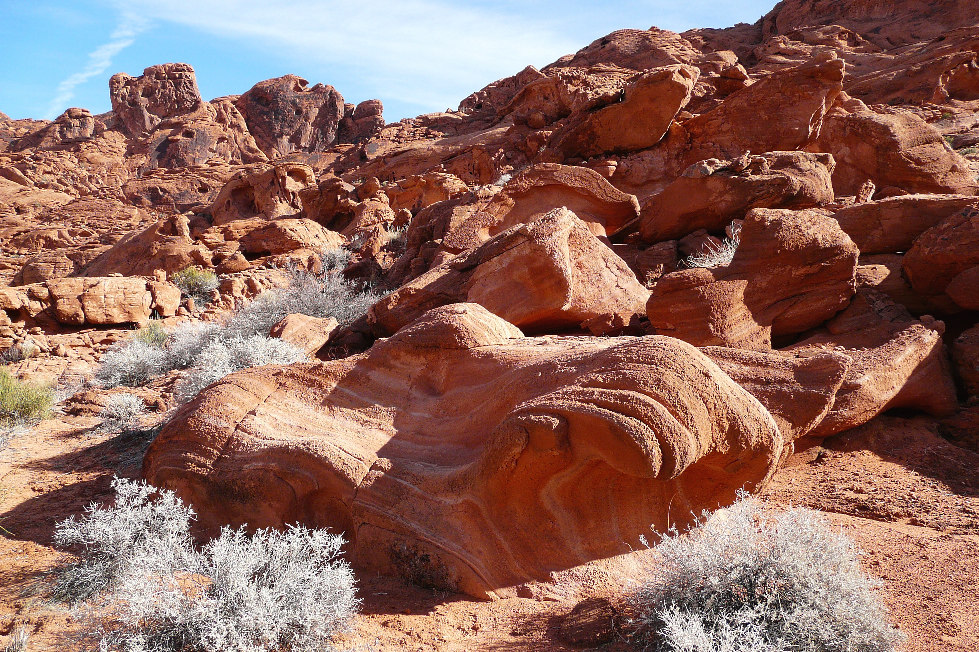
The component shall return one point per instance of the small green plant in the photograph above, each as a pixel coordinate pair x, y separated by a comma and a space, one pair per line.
22, 401
196, 283
969, 151
153, 334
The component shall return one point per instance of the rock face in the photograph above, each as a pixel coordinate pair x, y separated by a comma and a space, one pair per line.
285, 115
891, 225
161, 92
638, 120
966, 354
551, 274
309, 334
945, 258
542, 188
269, 192
710, 194
114, 300
576, 448
792, 271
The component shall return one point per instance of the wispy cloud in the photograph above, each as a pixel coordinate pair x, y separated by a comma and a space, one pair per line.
99, 59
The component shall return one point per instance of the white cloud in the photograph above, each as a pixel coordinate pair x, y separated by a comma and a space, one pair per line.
431, 52
99, 59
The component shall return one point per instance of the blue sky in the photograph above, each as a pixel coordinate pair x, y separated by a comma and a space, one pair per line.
417, 56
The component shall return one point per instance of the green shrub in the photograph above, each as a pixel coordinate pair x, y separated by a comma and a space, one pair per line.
748, 579
22, 401
153, 334
196, 283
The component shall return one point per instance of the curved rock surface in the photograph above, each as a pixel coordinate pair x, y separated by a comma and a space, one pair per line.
463, 452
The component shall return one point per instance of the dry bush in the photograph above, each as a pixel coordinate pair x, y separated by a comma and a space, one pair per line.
196, 283
22, 401
130, 364
750, 580
122, 413
151, 590
717, 255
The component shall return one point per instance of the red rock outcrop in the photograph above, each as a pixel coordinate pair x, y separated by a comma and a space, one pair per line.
262, 191
638, 120
306, 333
165, 245
897, 361
712, 193
792, 271
577, 445
965, 352
160, 93
285, 235
551, 274
93, 301
891, 225
945, 258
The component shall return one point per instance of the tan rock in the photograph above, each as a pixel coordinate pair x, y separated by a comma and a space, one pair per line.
574, 448
285, 235
109, 300
551, 274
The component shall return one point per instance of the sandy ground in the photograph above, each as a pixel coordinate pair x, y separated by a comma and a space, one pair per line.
908, 497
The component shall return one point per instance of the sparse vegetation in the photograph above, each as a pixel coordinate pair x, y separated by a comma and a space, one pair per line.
716, 255
151, 590
748, 580
211, 351
22, 401
196, 283
969, 151
18, 641
20, 351
122, 413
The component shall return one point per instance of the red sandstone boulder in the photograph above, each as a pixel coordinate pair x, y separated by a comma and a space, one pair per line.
965, 352
636, 49
42, 267
113, 300
896, 361
885, 273
639, 119
267, 191
712, 193
791, 272
896, 150
945, 258
286, 235
542, 188
418, 191
285, 115
160, 93
891, 225
489, 458
782, 111
165, 245
551, 274
306, 333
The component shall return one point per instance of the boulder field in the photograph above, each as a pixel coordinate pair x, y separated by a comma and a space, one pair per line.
612, 292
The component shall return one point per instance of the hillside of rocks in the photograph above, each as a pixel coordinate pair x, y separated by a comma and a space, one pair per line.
547, 371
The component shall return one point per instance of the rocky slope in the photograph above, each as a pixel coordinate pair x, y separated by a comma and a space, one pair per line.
547, 375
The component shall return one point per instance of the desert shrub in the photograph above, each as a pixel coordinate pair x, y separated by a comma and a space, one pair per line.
716, 255
19, 351
22, 401
224, 356
747, 579
140, 534
184, 344
153, 333
122, 412
266, 591
327, 294
18, 641
130, 363
196, 283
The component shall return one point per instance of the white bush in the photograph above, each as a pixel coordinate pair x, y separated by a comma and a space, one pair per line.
184, 344
116, 542
717, 255
747, 579
267, 591
223, 357
122, 412
130, 364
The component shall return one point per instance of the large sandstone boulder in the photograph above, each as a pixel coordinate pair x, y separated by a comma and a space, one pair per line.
285, 115
897, 150
945, 260
792, 271
160, 93
781, 111
267, 191
542, 188
891, 225
285, 235
896, 362
165, 245
112, 300
638, 120
551, 274
710, 194
462, 452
